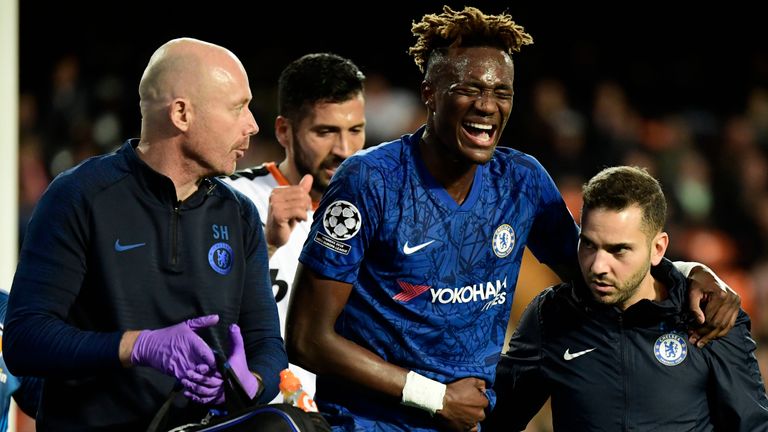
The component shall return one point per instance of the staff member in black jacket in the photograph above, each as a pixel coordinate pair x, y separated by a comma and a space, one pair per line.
138, 264
612, 350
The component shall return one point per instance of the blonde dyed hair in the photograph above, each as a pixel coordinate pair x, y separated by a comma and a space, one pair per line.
465, 28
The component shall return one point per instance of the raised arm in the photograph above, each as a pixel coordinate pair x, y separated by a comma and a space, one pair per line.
287, 206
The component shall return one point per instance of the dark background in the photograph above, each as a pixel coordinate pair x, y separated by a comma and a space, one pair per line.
687, 71
668, 58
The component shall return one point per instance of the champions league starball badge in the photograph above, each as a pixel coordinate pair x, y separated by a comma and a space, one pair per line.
341, 220
670, 349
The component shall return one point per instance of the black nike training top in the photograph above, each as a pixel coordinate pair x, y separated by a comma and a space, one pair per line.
109, 249
631, 371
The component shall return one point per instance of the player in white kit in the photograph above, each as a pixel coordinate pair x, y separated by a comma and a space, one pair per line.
320, 123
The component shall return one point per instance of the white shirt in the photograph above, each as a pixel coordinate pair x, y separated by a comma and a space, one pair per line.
257, 184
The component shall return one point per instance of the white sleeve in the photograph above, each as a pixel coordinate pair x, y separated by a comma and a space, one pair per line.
685, 267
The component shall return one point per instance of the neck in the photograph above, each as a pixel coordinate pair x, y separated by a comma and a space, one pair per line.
289, 171
650, 289
660, 291
453, 174
182, 172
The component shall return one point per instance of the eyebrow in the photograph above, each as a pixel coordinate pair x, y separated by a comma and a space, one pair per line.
609, 246
336, 127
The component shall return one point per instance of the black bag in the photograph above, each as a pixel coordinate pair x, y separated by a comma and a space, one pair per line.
267, 418
241, 415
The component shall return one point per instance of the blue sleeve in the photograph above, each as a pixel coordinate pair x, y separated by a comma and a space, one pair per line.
554, 235
521, 386
258, 321
27, 394
345, 222
737, 391
52, 264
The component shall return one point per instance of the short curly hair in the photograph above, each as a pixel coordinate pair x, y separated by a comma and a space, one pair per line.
317, 77
620, 187
465, 28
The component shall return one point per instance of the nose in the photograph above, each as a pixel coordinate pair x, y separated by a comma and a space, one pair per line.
344, 146
487, 101
251, 127
600, 262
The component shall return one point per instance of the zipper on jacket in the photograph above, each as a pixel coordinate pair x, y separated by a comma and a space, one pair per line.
624, 374
175, 234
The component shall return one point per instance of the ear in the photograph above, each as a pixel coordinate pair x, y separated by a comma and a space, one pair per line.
428, 95
180, 112
283, 132
659, 247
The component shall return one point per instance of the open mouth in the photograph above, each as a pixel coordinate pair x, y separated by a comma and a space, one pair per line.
481, 133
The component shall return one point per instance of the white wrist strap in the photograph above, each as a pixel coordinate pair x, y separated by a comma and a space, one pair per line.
685, 267
422, 392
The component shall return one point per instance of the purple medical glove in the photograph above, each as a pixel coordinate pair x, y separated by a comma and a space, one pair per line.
239, 364
203, 385
177, 349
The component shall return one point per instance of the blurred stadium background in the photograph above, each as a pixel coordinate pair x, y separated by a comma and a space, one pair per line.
681, 90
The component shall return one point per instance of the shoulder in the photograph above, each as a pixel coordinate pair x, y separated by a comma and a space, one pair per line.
256, 183
519, 172
556, 300
94, 172
255, 173
384, 155
552, 294
521, 164
367, 163
381, 162
86, 180
246, 207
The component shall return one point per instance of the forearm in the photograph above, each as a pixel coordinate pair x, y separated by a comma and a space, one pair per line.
38, 341
521, 391
41, 346
313, 343
333, 354
39, 337
127, 341
260, 325
687, 269
268, 360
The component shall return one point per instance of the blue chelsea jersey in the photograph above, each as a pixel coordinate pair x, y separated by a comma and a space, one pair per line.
433, 280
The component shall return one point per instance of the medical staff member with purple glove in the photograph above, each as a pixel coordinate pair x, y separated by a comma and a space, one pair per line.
138, 264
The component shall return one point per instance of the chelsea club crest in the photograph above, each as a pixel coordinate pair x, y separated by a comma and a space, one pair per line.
220, 258
503, 240
670, 349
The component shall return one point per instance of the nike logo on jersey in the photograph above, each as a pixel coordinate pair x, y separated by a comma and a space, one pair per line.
568, 356
409, 250
123, 248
